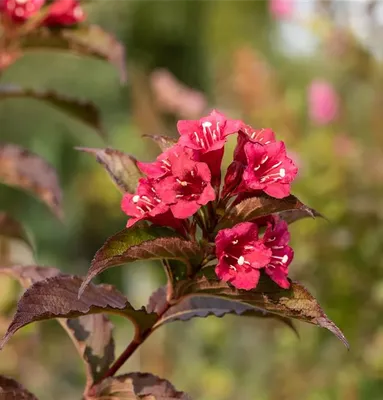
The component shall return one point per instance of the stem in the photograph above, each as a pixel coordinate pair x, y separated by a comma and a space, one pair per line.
132, 347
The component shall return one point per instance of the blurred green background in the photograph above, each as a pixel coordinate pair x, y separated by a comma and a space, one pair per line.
239, 58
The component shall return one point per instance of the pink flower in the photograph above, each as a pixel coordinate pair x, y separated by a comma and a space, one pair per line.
208, 136
323, 102
65, 12
281, 8
241, 255
269, 169
145, 204
276, 238
187, 188
21, 10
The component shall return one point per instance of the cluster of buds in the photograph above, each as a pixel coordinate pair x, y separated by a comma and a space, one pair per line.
60, 12
183, 189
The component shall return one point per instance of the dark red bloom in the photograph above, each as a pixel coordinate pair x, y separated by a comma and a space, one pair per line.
269, 169
65, 12
276, 238
145, 204
21, 10
187, 188
241, 255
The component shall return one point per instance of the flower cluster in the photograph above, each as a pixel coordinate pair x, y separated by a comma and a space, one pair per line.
183, 189
60, 12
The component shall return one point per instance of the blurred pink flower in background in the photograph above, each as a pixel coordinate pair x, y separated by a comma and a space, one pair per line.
280, 9
323, 102
174, 97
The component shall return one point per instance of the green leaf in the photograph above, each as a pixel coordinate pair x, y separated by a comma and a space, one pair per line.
81, 110
121, 167
15, 246
296, 302
136, 386
25, 170
91, 41
163, 142
12, 390
142, 243
260, 206
204, 306
57, 297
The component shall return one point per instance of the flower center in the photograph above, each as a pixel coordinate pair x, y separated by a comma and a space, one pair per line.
209, 136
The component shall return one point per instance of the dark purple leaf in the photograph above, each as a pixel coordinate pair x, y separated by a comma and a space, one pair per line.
12, 390
91, 334
142, 243
135, 386
90, 41
163, 142
260, 206
23, 169
121, 167
57, 297
296, 302
81, 110
204, 306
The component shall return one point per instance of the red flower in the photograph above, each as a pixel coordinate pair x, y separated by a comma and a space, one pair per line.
162, 166
234, 173
208, 133
241, 255
276, 238
248, 134
65, 12
208, 136
21, 10
269, 169
187, 188
144, 204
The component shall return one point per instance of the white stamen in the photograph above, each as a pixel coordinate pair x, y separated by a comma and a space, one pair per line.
248, 247
257, 168
277, 247
285, 259
282, 172
235, 241
21, 1
271, 239
136, 198
241, 260
232, 267
264, 159
206, 124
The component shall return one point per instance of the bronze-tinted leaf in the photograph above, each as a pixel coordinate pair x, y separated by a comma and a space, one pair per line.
204, 306
90, 41
27, 275
93, 337
57, 297
79, 109
296, 302
91, 334
121, 167
142, 243
163, 142
291, 216
136, 386
23, 169
15, 246
260, 206
12, 390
